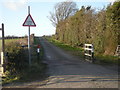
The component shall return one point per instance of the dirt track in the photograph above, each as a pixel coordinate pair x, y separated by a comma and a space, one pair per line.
68, 71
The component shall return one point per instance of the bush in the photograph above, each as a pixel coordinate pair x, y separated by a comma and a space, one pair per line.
16, 58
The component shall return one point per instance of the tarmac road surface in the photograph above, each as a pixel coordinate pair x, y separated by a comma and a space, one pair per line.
67, 71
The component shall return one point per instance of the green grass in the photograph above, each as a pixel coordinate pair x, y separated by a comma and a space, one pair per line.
106, 59
100, 59
8, 41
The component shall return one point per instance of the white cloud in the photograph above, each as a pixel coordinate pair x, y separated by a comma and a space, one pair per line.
17, 4
72, 0
13, 4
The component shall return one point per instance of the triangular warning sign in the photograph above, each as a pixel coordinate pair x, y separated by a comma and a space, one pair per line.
29, 21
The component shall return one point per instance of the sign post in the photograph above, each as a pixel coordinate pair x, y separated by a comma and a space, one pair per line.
30, 23
29, 39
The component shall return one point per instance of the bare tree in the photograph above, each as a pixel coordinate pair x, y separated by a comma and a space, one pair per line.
62, 11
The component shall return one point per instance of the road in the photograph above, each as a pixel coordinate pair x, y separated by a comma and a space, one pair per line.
68, 71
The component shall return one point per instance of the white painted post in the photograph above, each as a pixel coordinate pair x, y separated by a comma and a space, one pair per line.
2, 58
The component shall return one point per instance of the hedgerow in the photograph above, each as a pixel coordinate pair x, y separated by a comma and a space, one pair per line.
16, 60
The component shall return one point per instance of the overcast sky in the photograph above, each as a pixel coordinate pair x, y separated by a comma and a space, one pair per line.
14, 12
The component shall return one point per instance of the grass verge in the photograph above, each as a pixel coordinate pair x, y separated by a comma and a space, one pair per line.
100, 59
107, 60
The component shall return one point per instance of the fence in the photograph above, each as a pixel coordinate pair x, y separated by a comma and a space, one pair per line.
89, 52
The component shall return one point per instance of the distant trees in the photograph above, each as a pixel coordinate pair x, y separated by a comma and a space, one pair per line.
87, 26
62, 11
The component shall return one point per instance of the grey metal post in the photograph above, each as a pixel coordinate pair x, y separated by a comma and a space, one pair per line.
29, 51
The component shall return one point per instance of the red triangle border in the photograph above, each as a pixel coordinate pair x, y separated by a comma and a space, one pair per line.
32, 20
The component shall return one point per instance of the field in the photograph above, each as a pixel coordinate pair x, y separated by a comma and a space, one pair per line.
21, 41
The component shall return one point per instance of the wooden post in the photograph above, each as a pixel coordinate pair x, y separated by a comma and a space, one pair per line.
3, 41
3, 49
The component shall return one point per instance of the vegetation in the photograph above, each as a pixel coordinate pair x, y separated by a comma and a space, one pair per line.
62, 11
17, 67
88, 26
37, 70
107, 59
15, 61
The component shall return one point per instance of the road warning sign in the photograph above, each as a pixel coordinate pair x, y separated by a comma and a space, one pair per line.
29, 21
